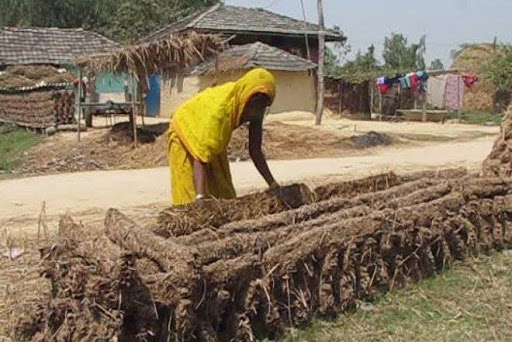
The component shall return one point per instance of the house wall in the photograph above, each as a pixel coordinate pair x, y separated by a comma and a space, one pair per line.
295, 91
108, 86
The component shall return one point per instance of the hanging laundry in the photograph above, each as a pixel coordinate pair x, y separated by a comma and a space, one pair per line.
470, 80
423, 75
383, 88
394, 80
454, 92
415, 83
383, 85
405, 82
436, 86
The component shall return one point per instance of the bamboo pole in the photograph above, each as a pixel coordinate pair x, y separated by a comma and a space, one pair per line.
134, 114
321, 57
142, 108
424, 107
371, 98
78, 102
308, 52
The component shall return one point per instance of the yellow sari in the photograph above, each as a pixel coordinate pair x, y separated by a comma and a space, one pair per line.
201, 129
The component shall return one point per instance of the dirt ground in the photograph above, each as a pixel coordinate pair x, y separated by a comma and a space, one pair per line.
287, 136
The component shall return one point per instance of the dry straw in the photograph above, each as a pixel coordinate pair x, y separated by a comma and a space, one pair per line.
164, 56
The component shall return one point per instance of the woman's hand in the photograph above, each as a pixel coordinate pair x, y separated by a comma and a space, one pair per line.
274, 186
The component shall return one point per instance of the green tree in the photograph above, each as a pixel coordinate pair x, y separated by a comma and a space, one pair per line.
499, 72
331, 62
124, 20
363, 66
436, 64
398, 54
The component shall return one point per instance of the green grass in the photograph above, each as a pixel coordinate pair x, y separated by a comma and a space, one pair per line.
14, 142
477, 118
470, 302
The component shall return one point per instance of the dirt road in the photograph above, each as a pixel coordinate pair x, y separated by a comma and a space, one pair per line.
22, 198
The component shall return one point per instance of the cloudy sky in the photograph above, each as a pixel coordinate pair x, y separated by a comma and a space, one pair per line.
447, 23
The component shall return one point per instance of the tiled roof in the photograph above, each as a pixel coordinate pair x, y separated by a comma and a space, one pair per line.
50, 45
252, 56
230, 19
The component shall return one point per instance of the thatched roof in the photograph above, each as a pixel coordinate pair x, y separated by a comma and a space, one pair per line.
223, 19
50, 45
165, 56
250, 56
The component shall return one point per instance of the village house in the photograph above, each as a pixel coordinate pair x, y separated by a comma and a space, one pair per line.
280, 36
37, 70
291, 73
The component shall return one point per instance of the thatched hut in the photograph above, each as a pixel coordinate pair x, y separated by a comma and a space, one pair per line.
167, 56
36, 79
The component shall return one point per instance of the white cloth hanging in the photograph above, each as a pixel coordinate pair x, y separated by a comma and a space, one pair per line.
436, 87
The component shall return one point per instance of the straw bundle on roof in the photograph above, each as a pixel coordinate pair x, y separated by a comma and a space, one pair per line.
158, 57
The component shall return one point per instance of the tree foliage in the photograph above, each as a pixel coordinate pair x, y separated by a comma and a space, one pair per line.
499, 71
399, 54
399, 57
436, 64
123, 20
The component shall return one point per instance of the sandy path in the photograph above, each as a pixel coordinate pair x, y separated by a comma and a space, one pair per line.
22, 198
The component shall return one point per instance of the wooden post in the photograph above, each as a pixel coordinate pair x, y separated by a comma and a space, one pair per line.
321, 57
458, 97
308, 52
78, 102
371, 98
340, 97
380, 103
424, 107
142, 110
134, 113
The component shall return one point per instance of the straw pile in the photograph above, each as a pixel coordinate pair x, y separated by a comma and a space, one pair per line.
230, 279
473, 59
30, 75
164, 56
499, 162
38, 109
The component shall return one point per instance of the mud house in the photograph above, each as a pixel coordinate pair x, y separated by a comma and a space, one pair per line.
241, 26
38, 69
296, 82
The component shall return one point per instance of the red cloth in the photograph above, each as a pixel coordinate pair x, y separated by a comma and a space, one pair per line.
383, 88
415, 80
469, 80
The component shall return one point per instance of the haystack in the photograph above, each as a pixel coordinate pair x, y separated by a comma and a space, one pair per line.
499, 162
473, 59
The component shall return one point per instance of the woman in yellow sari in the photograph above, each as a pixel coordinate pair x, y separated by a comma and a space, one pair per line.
200, 132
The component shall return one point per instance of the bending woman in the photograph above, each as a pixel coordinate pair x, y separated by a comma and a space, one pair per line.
200, 132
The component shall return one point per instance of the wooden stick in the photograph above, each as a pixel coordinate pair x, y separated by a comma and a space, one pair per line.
78, 103
321, 56
134, 114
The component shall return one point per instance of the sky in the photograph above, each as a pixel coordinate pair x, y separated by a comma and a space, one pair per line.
446, 23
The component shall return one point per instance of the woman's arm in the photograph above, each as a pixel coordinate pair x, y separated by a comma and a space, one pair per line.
256, 152
200, 179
